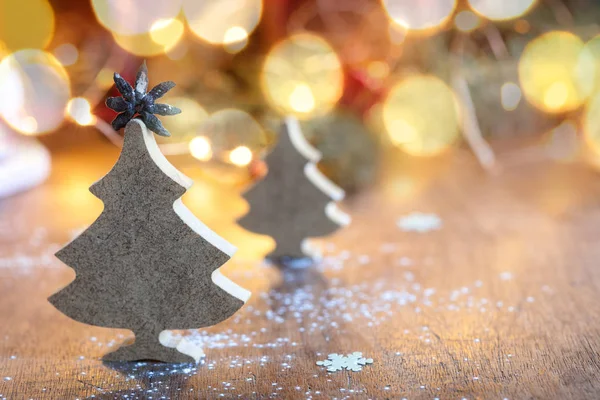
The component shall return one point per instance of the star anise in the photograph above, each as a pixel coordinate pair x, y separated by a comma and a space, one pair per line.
136, 102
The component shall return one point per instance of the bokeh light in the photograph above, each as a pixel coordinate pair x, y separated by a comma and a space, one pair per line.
228, 129
467, 21
422, 15
200, 148
557, 72
593, 46
211, 20
510, 96
236, 38
80, 111
134, 17
421, 115
162, 37
302, 75
591, 123
35, 90
501, 9
66, 54
187, 127
25, 24
240, 156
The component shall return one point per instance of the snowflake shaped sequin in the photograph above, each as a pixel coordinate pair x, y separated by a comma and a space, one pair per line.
353, 362
135, 101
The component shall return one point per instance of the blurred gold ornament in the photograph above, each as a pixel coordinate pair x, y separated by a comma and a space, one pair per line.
80, 111
186, 127
557, 72
502, 10
162, 37
302, 75
426, 16
25, 24
421, 115
212, 20
134, 17
35, 90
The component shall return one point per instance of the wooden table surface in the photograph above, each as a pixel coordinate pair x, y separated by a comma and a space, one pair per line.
501, 302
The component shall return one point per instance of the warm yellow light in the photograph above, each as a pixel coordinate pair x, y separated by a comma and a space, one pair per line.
302, 75
235, 39
183, 129
557, 72
211, 20
240, 156
28, 125
134, 17
510, 96
35, 90
26, 24
200, 148
425, 16
466, 21
104, 79
502, 9
593, 46
421, 115
80, 111
166, 32
163, 37
302, 99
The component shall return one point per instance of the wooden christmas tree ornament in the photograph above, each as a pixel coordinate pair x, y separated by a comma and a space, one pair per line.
295, 200
147, 263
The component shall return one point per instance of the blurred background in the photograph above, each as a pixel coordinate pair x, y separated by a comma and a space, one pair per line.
505, 82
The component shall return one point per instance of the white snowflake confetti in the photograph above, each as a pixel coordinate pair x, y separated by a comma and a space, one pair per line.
419, 222
353, 362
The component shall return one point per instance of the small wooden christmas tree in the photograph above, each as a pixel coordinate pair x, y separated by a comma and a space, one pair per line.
295, 200
147, 264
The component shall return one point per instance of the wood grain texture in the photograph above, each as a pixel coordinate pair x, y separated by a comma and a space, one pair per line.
502, 302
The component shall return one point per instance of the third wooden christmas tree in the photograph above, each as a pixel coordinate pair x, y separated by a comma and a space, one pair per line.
295, 201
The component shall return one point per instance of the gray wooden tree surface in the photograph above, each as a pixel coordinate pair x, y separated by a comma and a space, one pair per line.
147, 264
294, 201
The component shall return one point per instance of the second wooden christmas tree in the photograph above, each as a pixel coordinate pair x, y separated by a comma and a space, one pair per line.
295, 201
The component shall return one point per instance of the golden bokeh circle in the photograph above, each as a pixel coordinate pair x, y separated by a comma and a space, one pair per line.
302, 75
501, 10
212, 20
163, 37
421, 115
134, 17
425, 16
557, 72
25, 24
35, 90
184, 127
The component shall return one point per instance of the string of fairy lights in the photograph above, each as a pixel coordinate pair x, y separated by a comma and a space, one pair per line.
303, 74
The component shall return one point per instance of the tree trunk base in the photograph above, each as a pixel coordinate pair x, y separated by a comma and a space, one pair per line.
148, 350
